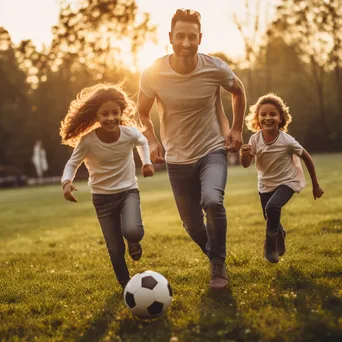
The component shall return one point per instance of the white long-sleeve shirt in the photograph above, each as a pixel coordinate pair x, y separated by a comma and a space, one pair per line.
111, 166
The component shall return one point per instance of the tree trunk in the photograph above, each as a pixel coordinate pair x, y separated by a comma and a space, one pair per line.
338, 88
320, 93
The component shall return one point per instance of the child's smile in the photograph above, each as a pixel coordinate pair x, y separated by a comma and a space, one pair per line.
109, 116
269, 118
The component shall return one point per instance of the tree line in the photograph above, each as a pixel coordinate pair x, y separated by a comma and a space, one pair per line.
299, 57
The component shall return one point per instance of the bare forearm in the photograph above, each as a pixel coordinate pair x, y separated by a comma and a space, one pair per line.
239, 108
246, 161
310, 166
221, 116
148, 128
224, 126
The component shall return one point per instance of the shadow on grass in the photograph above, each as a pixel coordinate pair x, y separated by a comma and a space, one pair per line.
158, 329
319, 310
111, 321
100, 325
219, 320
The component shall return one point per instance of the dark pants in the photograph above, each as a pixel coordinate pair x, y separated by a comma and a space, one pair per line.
271, 203
120, 217
197, 187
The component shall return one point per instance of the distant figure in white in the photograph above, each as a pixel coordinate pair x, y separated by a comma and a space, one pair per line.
39, 159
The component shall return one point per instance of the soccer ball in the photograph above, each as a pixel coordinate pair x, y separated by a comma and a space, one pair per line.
148, 294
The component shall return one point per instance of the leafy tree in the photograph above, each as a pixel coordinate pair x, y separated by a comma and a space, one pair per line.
309, 27
95, 34
87, 47
333, 25
284, 68
249, 28
15, 109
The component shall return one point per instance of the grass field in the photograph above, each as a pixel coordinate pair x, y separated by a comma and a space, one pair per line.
57, 284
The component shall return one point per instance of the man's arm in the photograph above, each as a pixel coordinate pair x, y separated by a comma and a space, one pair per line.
234, 137
144, 107
221, 116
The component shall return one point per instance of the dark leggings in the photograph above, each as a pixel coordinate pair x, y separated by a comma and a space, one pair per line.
120, 217
271, 203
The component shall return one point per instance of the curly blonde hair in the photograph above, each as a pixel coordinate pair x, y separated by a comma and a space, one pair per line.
252, 121
81, 116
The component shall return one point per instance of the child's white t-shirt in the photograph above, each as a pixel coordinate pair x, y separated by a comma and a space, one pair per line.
278, 162
111, 166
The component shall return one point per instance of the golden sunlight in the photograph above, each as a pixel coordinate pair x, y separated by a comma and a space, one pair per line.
220, 33
148, 54
29, 19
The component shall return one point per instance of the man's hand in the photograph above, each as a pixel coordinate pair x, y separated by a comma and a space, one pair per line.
317, 191
68, 189
147, 170
156, 151
234, 140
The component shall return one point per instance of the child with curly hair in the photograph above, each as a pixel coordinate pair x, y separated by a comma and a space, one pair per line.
100, 125
279, 169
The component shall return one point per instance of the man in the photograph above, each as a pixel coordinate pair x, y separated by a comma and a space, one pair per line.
185, 85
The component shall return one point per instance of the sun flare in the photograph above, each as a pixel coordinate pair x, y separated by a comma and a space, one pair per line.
148, 54
219, 31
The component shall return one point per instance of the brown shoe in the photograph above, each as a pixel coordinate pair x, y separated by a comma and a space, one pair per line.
271, 249
281, 241
219, 276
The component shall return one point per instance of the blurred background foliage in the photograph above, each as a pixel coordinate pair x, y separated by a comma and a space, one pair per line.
299, 57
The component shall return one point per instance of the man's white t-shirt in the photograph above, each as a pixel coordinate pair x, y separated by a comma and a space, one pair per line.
111, 166
278, 162
189, 127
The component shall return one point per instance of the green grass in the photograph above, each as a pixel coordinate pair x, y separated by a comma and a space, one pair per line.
57, 284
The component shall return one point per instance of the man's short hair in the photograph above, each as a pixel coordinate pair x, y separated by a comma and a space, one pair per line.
186, 15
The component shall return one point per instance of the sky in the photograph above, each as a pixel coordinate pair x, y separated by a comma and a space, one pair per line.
33, 19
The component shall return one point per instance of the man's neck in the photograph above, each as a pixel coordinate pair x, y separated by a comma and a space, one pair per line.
183, 68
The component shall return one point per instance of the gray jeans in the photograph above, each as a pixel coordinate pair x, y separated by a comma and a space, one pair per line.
271, 203
120, 217
200, 187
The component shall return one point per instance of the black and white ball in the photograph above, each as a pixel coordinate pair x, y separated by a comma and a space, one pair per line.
148, 294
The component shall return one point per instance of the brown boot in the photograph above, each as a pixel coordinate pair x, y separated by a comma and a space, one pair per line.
219, 276
135, 250
281, 241
271, 248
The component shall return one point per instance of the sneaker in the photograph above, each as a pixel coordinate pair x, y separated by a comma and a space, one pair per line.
135, 250
270, 248
281, 241
219, 276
